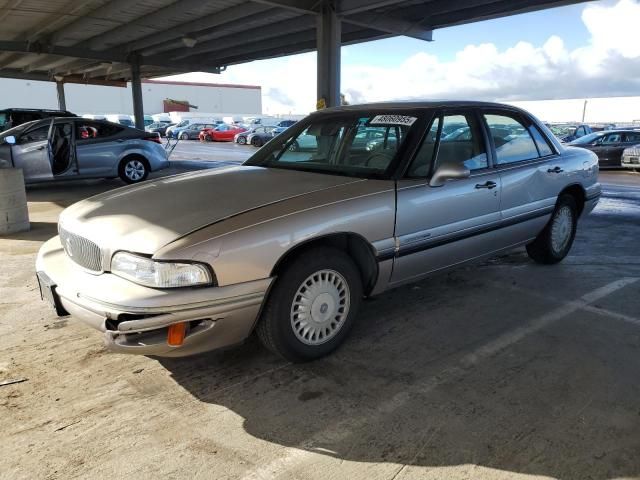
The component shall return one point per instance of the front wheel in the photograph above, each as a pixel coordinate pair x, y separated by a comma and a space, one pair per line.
133, 170
312, 306
242, 140
184, 136
555, 241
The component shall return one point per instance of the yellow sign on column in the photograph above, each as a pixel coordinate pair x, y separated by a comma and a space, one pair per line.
320, 104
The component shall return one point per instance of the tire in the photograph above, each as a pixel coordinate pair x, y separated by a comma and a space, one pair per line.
294, 147
242, 140
207, 138
184, 136
257, 142
330, 282
555, 241
134, 169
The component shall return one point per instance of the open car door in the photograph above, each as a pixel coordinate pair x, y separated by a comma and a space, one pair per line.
32, 153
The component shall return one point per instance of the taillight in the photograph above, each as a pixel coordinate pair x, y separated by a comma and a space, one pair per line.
154, 138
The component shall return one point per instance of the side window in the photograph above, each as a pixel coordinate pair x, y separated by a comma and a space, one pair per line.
512, 140
422, 162
612, 138
632, 137
36, 135
541, 142
93, 130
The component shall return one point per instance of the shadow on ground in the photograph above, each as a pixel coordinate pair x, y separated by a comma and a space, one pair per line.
403, 389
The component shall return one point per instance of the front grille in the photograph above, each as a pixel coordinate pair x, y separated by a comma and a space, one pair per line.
82, 251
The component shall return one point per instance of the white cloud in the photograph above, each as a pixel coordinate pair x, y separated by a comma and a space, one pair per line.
609, 65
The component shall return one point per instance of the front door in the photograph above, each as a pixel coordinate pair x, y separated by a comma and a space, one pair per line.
437, 227
31, 153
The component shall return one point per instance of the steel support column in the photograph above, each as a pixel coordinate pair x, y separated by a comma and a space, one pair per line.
328, 38
62, 101
136, 91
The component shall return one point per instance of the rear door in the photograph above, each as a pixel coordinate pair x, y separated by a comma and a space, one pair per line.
32, 153
437, 227
531, 172
98, 147
611, 149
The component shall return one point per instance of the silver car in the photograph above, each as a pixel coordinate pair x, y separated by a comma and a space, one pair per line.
291, 242
70, 148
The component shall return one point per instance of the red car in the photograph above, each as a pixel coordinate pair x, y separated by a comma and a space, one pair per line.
221, 133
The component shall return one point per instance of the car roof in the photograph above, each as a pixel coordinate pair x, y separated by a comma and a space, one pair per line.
419, 105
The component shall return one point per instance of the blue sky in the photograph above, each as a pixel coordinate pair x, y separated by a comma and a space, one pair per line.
535, 27
578, 51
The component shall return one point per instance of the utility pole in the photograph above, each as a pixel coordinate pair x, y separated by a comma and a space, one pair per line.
584, 110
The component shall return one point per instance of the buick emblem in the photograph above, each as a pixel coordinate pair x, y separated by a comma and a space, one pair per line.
69, 251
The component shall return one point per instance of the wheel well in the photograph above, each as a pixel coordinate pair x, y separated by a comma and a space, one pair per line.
577, 192
352, 244
137, 156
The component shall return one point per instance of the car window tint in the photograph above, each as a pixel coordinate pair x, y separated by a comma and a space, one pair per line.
612, 138
543, 146
512, 141
36, 135
632, 137
421, 164
91, 130
463, 144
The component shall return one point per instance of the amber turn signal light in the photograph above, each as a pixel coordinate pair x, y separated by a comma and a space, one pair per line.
176, 334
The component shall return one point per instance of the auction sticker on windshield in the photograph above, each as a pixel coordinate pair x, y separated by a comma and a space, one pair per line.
392, 120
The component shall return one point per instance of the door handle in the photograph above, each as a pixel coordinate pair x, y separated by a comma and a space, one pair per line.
488, 185
555, 170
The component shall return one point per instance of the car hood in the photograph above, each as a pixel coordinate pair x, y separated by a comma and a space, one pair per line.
143, 218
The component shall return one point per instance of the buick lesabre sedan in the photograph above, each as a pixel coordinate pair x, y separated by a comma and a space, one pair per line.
291, 242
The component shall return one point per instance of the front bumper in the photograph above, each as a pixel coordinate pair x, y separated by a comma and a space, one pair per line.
135, 319
631, 161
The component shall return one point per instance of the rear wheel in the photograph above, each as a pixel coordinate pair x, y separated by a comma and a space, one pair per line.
294, 147
133, 169
184, 136
312, 305
555, 241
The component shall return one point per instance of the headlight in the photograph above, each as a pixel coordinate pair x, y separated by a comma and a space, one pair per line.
150, 273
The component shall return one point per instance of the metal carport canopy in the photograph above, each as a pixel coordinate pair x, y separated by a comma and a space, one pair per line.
115, 41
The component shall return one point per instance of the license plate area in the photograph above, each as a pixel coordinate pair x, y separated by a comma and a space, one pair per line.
49, 295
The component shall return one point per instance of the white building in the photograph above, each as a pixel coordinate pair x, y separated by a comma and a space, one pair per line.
99, 100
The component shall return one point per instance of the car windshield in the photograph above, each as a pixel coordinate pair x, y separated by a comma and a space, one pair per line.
326, 145
587, 139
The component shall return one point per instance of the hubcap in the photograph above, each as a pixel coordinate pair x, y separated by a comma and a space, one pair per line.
134, 170
320, 307
561, 229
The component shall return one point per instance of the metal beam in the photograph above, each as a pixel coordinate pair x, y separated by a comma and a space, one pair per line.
328, 31
389, 24
62, 101
105, 13
299, 6
45, 77
148, 44
258, 35
349, 7
136, 92
104, 56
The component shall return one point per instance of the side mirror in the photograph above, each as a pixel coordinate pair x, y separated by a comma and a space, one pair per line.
11, 140
449, 171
